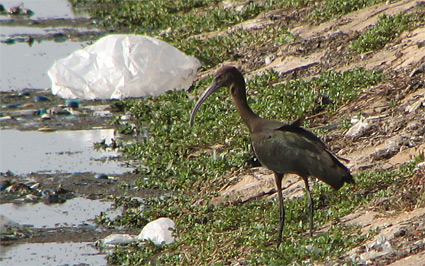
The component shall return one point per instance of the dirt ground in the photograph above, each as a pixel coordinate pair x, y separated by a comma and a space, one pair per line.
391, 130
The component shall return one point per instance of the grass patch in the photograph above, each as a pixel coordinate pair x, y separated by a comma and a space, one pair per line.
247, 232
331, 9
386, 29
177, 22
174, 155
193, 161
182, 17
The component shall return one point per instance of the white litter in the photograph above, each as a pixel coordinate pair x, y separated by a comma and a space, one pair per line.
158, 231
121, 66
116, 239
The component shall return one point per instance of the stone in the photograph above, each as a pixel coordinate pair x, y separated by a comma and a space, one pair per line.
359, 129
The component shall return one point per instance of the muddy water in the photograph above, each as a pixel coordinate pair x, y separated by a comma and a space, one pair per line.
45, 232
72, 213
52, 254
54, 34
27, 65
61, 151
44, 8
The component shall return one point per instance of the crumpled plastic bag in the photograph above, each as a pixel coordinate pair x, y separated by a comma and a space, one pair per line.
158, 231
121, 66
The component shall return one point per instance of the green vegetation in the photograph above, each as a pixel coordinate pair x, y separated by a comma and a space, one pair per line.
169, 144
247, 231
182, 18
385, 30
179, 158
179, 22
330, 9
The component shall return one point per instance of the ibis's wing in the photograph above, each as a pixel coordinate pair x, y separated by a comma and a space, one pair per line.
291, 149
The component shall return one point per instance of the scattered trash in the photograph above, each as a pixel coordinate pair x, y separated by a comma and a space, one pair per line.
7, 225
17, 10
126, 117
73, 103
419, 166
101, 176
46, 129
388, 149
51, 197
120, 66
24, 94
32, 191
312, 248
116, 239
15, 105
269, 59
45, 116
377, 249
6, 118
4, 184
40, 98
420, 101
158, 231
360, 128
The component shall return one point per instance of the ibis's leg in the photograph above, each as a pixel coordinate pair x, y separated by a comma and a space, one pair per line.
310, 205
278, 179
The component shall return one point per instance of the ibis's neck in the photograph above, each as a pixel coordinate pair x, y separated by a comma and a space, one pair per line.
239, 97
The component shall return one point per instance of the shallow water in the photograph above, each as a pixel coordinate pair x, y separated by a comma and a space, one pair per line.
25, 66
51, 254
44, 8
71, 213
23, 152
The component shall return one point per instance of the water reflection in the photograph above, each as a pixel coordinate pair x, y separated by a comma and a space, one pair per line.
25, 66
23, 152
51, 254
72, 213
44, 8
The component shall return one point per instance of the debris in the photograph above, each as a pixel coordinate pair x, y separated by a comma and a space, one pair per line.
390, 147
45, 116
377, 249
359, 129
416, 105
312, 248
7, 225
14, 105
109, 69
73, 103
40, 98
116, 239
101, 176
158, 231
6, 118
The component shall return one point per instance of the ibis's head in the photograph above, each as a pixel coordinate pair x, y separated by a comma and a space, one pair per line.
224, 77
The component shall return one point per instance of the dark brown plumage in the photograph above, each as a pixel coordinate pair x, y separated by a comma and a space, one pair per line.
283, 148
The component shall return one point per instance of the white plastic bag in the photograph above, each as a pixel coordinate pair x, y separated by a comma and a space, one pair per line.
120, 66
158, 231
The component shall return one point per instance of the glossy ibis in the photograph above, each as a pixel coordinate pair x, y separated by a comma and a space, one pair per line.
283, 148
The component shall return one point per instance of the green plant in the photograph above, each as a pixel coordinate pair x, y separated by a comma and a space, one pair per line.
330, 9
385, 30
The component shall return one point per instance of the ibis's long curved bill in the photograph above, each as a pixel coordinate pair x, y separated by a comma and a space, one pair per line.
213, 87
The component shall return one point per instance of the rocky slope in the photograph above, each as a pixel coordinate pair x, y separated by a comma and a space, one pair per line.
387, 121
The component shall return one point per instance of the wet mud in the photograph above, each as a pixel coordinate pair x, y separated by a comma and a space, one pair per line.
59, 163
